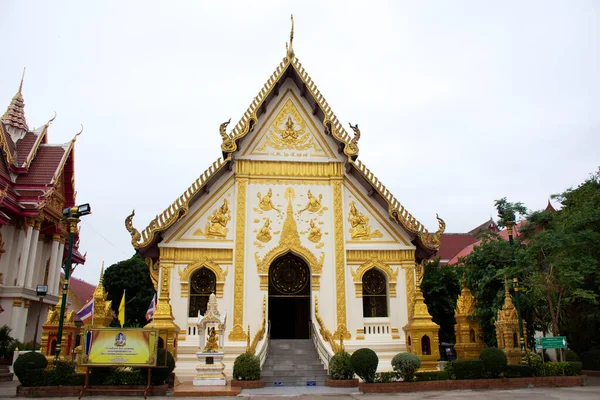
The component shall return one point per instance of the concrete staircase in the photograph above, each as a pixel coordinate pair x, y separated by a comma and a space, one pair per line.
293, 362
5, 374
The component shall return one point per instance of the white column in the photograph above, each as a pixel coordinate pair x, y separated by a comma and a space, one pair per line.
57, 288
18, 319
53, 256
33, 248
25, 252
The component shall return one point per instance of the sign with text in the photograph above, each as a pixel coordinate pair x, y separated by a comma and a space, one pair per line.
557, 342
120, 347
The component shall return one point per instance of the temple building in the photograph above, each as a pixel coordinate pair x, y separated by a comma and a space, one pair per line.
292, 219
36, 183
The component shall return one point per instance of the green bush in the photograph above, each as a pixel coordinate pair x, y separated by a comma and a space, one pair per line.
119, 377
468, 369
406, 364
562, 368
449, 369
5, 341
61, 374
27, 362
494, 361
591, 359
432, 376
518, 371
534, 361
340, 367
386, 377
364, 364
571, 355
246, 367
99, 375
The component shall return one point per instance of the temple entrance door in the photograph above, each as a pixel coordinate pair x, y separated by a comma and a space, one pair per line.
289, 298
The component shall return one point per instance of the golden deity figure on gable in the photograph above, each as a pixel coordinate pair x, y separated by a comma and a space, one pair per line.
216, 226
360, 228
314, 204
314, 233
264, 235
265, 203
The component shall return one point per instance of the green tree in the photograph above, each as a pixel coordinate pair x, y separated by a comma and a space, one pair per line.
441, 289
130, 275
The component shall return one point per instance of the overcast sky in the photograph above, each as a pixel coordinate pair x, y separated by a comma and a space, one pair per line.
459, 102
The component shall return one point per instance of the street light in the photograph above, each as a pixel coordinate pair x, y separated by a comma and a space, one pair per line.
509, 228
40, 291
71, 216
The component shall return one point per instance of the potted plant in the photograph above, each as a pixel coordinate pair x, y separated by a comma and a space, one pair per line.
341, 373
246, 372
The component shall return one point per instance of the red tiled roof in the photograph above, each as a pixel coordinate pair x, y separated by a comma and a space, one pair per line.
82, 289
487, 225
24, 147
44, 166
452, 243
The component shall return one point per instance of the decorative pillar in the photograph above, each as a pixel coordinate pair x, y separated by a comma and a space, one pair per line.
237, 333
163, 317
18, 319
421, 332
25, 252
469, 339
507, 330
52, 277
340, 261
31, 265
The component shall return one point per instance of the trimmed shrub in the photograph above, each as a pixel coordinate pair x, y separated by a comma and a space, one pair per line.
494, 361
29, 362
386, 377
449, 369
431, 376
591, 359
61, 374
576, 367
99, 375
246, 367
468, 369
364, 364
518, 371
571, 355
406, 364
534, 361
119, 377
340, 366
562, 368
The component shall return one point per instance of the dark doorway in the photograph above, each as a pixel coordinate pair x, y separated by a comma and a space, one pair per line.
289, 298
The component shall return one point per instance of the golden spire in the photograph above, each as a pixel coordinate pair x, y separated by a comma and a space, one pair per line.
99, 291
15, 114
289, 232
289, 49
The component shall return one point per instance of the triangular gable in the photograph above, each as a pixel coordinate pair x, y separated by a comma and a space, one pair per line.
288, 132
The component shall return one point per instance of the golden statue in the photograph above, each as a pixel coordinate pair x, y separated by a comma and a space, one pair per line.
313, 204
360, 225
264, 235
216, 225
289, 134
265, 202
314, 234
212, 343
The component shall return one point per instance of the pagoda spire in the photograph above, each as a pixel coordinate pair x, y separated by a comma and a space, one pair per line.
15, 114
289, 49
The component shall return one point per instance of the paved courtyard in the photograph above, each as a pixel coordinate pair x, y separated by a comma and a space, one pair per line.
589, 392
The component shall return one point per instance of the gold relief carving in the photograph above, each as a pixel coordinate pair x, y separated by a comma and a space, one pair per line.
326, 334
314, 204
340, 278
188, 255
409, 274
27, 303
289, 241
204, 262
314, 234
465, 305
284, 134
165, 283
135, 235
153, 268
387, 256
17, 302
265, 202
392, 276
216, 226
260, 334
254, 168
360, 228
264, 235
237, 334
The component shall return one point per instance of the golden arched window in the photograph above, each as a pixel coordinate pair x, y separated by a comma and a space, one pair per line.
374, 288
203, 282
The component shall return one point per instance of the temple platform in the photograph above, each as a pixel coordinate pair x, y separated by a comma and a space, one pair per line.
187, 389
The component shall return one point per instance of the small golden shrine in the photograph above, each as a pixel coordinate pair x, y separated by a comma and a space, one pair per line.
421, 332
469, 339
50, 333
507, 330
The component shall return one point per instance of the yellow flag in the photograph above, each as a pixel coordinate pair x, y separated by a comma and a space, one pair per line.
122, 310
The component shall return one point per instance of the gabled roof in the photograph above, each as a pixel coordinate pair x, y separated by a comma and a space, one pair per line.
289, 67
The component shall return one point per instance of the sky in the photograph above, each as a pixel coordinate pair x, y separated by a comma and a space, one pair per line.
459, 102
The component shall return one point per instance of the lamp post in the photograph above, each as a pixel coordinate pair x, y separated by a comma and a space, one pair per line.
71, 215
509, 228
40, 291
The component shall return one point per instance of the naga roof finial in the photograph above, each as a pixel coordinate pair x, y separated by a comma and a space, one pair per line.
289, 49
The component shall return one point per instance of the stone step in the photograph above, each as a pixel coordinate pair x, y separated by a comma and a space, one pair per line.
294, 381
293, 363
288, 366
314, 372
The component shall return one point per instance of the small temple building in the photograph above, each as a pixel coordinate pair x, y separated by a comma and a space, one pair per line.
36, 183
292, 231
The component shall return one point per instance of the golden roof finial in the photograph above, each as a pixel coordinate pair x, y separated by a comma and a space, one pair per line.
15, 114
289, 49
22, 78
101, 280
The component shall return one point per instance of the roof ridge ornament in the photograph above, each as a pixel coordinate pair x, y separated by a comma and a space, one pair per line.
15, 113
356, 137
289, 49
22, 78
